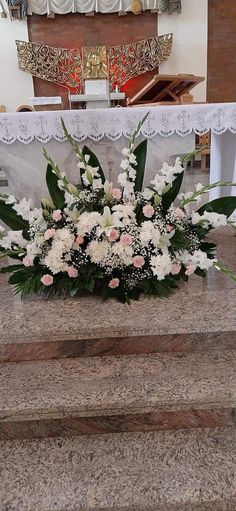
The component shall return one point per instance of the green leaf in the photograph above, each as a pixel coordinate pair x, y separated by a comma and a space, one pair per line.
169, 197
94, 162
141, 154
9, 216
223, 205
200, 273
57, 195
11, 268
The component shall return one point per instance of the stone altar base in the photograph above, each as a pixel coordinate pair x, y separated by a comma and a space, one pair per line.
110, 407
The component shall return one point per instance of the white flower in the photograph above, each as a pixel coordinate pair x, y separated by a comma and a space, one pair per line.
109, 220
10, 199
147, 193
54, 262
161, 265
133, 159
128, 190
108, 187
97, 251
126, 151
97, 183
23, 208
2, 229
13, 238
199, 187
87, 221
124, 164
87, 157
197, 259
65, 239
214, 219
69, 198
122, 179
132, 173
124, 252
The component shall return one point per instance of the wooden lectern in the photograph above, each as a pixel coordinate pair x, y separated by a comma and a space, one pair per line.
166, 90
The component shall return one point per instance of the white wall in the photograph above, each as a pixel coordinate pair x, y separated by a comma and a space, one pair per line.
189, 54
16, 87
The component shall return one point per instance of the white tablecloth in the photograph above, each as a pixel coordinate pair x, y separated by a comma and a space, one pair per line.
170, 130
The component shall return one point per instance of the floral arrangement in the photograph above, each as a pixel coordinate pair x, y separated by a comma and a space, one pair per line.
116, 242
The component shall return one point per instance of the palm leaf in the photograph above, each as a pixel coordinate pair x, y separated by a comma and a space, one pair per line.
141, 154
223, 205
9, 216
169, 197
57, 195
94, 162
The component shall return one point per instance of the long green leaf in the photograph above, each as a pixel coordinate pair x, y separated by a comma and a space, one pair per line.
223, 205
169, 197
94, 162
11, 268
141, 154
9, 216
57, 195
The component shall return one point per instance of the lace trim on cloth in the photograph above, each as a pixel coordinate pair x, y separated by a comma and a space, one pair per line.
117, 122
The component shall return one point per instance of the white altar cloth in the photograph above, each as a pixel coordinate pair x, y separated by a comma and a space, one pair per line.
170, 130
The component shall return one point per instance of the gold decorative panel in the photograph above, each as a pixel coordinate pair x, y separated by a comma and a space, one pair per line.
95, 63
56, 65
131, 60
118, 63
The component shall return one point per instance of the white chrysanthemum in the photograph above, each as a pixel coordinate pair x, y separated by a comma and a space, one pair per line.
54, 262
97, 251
161, 265
64, 239
124, 252
13, 238
87, 221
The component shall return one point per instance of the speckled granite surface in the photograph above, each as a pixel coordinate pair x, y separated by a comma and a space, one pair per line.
167, 471
124, 393
201, 313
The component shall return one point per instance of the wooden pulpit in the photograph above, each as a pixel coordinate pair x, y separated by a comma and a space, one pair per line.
166, 90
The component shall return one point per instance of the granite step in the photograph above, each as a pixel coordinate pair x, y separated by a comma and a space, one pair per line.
157, 471
116, 394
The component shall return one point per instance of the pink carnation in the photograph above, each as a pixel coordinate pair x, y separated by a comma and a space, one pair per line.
47, 280
49, 233
56, 215
175, 269
169, 228
116, 193
27, 261
138, 261
80, 239
72, 272
126, 239
114, 283
179, 213
190, 270
113, 235
148, 211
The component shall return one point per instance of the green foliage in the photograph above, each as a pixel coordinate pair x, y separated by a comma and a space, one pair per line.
141, 154
169, 197
27, 280
161, 288
223, 205
9, 216
94, 162
11, 268
57, 195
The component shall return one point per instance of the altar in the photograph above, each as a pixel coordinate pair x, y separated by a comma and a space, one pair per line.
170, 131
